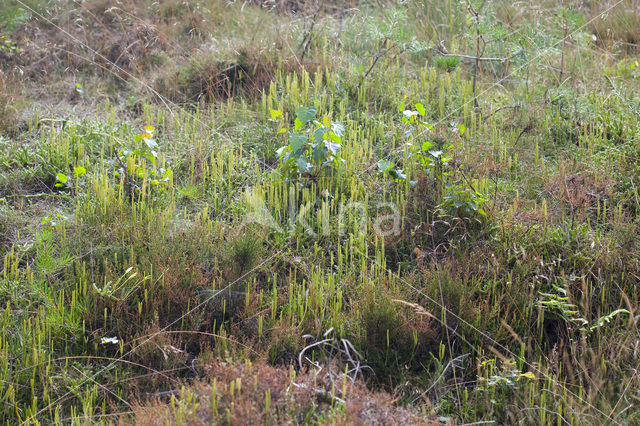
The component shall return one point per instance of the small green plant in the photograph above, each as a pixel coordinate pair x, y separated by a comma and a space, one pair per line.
140, 167
434, 156
462, 201
447, 63
63, 181
505, 376
431, 155
456, 196
557, 304
388, 168
51, 257
122, 288
53, 220
8, 47
628, 68
412, 118
313, 147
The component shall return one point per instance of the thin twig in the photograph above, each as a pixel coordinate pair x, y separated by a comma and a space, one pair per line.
479, 53
376, 58
514, 106
476, 58
452, 364
127, 178
306, 40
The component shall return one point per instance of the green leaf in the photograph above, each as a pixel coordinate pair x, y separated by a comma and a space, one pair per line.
421, 109
149, 156
427, 125
333, 147
275, 114
397, 174
166, 175
79, 171
409, 115
457, 127
426, 146
151, 143
337, 139
401, 106
297, 142
302, 164
305, 115
318, 135
384, 165
338, 129
62, 178
319, 152
607, 318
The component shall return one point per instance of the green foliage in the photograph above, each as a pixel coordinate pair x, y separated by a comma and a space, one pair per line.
13, 14
558, 304
63, 181
387, 167
456, 196
141, 167
434, 157
50, 257
447, 63
462, 201
628, 68
506, 376
313, 148
7, 46
122, 287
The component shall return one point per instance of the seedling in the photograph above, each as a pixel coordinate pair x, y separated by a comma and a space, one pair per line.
140, 166
65, 182
8, 47
313, 148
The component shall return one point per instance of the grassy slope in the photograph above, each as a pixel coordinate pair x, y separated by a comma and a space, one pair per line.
508, 294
